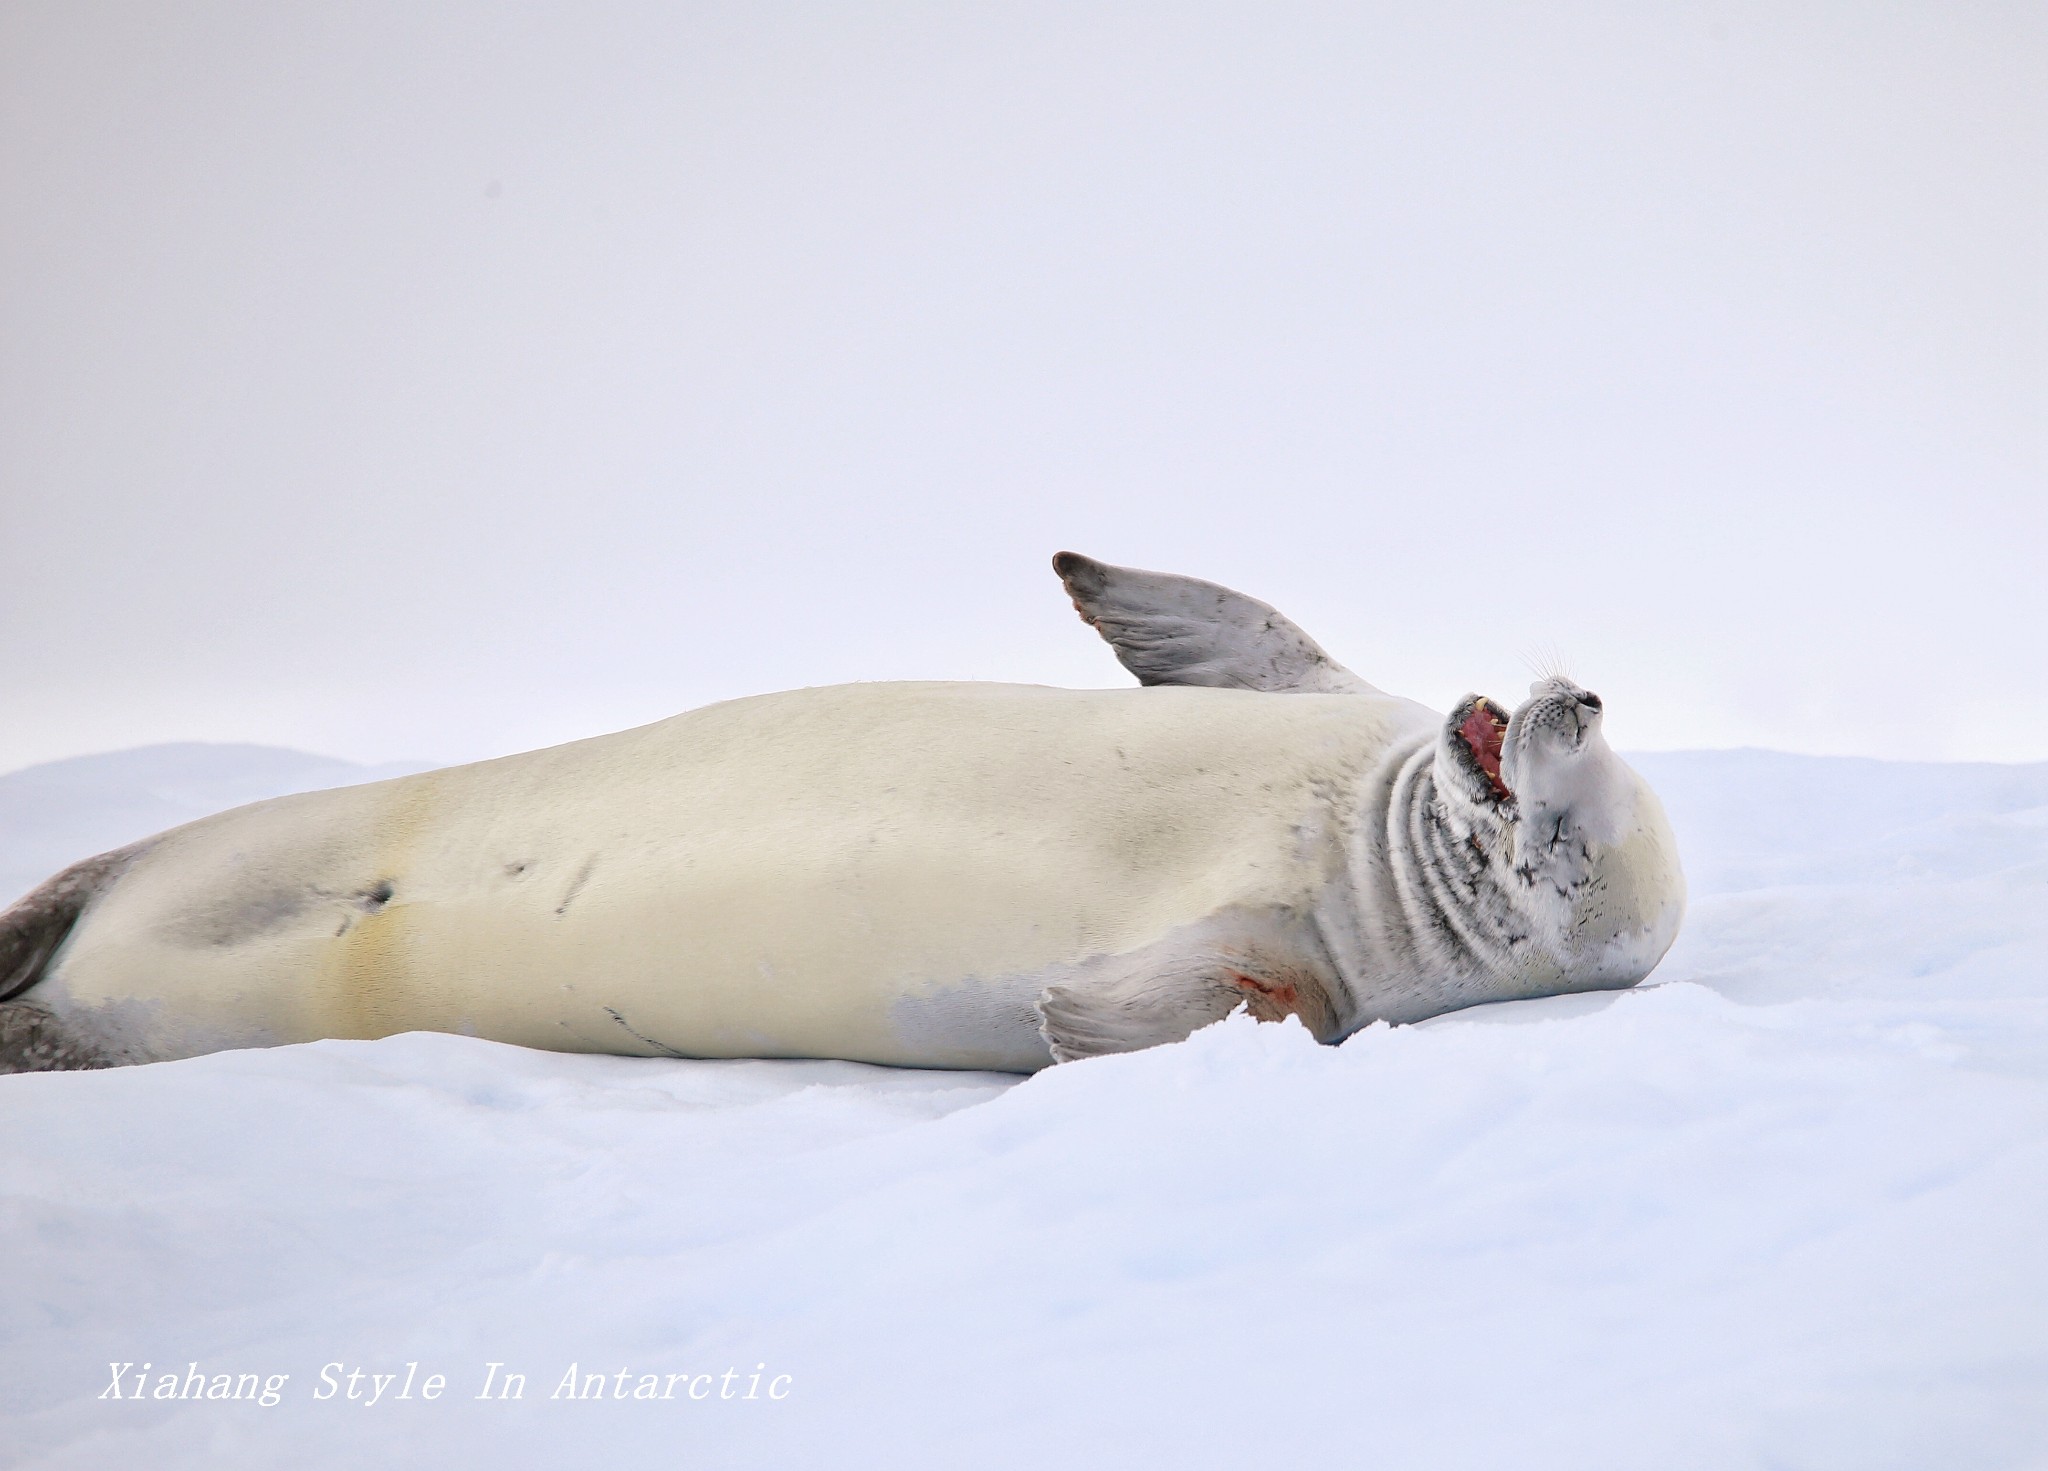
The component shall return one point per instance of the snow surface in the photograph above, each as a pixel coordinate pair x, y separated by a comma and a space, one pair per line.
1781, 1207
57, 813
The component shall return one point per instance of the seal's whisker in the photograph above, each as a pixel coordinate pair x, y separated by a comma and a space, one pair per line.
1546, 661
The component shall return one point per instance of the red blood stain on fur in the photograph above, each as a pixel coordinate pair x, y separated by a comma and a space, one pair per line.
1272, 1001
1280, 994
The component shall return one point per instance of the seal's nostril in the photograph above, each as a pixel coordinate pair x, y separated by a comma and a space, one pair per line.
1591, 701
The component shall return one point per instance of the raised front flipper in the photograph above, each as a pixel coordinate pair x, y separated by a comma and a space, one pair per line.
1168, 629
1138, 1001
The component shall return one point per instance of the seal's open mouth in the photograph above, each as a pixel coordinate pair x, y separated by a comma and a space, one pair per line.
1482, 731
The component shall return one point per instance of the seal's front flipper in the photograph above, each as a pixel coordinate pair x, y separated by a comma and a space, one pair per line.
1168, 629
1139, 1001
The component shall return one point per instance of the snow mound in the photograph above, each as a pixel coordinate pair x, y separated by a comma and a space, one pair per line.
57, 813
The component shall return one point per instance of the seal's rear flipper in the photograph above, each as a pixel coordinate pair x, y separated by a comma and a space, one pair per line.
1168, 629
33, 1039
34, 927
1142, 1000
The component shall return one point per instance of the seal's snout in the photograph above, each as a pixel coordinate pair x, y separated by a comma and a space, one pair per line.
1559, 711
1585, 714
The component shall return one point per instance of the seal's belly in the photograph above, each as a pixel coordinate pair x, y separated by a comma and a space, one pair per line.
761, 953
884, 873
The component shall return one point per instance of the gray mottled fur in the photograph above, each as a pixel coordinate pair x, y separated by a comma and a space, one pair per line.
1453, 895
1447, 897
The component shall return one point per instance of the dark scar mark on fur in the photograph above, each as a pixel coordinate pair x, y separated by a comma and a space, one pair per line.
369, 900
576, 886
661, 1047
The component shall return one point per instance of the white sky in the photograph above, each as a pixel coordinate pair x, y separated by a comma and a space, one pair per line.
402, 381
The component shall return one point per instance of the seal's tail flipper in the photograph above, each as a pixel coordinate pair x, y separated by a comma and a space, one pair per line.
34, 927
1168, 629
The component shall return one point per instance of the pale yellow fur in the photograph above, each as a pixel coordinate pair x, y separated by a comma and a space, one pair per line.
768, 877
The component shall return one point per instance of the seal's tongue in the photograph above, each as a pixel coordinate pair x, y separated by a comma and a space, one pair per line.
1483, 730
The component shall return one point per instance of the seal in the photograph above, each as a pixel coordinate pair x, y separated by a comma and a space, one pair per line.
922, 874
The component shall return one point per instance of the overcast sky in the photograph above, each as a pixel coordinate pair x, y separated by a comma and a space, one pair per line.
444, 380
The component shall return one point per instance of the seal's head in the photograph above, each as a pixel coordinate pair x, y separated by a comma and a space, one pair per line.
1569, 827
